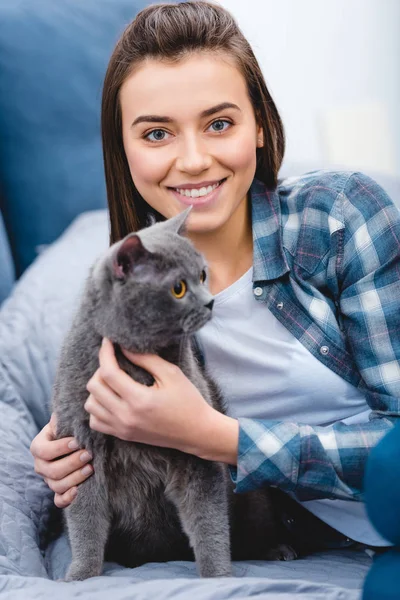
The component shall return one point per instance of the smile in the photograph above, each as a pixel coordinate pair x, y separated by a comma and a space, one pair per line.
197, 193
200, 197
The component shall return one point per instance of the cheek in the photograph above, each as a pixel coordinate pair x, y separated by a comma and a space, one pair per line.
144, 164
241, 155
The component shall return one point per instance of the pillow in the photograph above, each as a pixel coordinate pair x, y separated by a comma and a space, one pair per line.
6, 264
38, 313
53, 58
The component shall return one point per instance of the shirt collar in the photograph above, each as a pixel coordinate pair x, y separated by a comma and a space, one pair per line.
269, 261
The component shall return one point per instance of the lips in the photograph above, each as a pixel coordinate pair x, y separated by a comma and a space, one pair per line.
200, 201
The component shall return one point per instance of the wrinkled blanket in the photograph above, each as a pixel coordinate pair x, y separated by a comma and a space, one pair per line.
33, 322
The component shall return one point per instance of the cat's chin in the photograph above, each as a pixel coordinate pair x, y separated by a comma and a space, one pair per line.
190, 326
178, 338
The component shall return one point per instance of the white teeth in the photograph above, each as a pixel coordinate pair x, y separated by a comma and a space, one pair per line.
198, 193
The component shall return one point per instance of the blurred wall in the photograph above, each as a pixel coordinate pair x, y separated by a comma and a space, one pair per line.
333, 68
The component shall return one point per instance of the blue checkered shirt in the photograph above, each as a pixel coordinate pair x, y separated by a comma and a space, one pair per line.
327, 262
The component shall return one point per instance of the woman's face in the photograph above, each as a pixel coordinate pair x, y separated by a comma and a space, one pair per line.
186, 127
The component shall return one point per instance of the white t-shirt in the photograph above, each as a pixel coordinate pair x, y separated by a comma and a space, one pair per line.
264, 372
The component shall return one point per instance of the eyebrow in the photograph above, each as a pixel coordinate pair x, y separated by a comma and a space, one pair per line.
206, 113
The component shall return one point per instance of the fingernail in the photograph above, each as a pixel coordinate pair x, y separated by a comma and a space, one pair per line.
85, 456
74, 492
73, 444
86, 470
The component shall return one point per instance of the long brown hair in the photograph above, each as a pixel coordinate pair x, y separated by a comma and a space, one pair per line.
171, 32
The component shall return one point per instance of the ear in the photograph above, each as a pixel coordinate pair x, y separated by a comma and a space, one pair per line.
177, 224
129, 255
260, 137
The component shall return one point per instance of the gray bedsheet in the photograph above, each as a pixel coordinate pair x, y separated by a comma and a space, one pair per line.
33, 322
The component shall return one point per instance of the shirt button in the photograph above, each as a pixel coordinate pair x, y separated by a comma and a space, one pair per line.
258, 291
279, 305
324, 350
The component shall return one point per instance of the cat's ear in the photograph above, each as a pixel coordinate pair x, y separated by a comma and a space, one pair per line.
128, 256
177, 224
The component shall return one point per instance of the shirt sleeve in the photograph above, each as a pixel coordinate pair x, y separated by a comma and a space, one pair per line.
314, 462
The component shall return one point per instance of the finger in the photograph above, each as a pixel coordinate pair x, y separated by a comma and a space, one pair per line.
63, 485
64, 500
103, 405
121, 383
103, 393
159, 368
46, 448
53, 423
44, 436
98, 425
58, 469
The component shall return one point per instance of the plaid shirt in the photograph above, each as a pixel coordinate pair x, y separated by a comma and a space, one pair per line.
327, 264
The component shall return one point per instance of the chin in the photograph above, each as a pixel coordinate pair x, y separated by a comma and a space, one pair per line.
205, 222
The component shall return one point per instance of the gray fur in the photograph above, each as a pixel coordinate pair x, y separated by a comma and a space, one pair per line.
145, 503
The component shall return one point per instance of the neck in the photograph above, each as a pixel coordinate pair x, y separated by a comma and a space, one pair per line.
228, 250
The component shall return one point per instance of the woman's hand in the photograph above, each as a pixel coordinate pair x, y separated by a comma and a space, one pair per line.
62, 475
171, 413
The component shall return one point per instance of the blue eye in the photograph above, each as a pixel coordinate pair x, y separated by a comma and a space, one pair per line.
159, 135
219, 122
156, 133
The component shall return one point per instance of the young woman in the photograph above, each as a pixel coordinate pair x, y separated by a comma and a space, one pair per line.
304, 340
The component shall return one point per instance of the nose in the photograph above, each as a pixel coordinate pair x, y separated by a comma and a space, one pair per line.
193, 157
210, 304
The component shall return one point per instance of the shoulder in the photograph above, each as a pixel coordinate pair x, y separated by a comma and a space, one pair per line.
335, 195
332, 181
315, 189
323, 210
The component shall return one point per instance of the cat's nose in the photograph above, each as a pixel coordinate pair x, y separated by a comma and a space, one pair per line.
210, 304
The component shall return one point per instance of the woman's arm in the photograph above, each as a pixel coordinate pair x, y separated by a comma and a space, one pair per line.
311, 462
220, 439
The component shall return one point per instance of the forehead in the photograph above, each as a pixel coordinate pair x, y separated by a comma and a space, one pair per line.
183, 89
179, 262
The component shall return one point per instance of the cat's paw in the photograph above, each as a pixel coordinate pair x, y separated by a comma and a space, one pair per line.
208, 568
80, 572
216, 572
281, 552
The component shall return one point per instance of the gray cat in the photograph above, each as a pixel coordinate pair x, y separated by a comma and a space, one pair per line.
144, 503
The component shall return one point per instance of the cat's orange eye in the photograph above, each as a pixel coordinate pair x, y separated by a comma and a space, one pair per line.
203, 276
179, 289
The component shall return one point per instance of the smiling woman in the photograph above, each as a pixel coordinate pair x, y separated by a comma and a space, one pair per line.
304, 340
